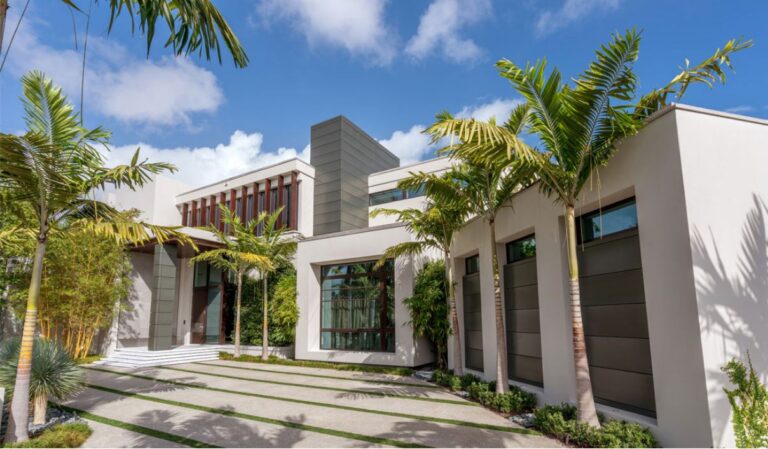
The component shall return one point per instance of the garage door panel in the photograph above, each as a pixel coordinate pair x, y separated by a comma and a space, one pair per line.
623, 287
610, 256
623, 320
523, 321
623, 387
628, 354
526, 297
471, 285
525, 369
474, 359
473, 322
475, 339
524, 344
520, 273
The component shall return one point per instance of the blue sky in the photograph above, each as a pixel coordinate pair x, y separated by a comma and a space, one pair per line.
389, 66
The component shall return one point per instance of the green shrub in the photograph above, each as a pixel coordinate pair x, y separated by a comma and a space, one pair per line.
429, 308
514, 401
282, 308
62, 435
468, 379
749, 401
560, 422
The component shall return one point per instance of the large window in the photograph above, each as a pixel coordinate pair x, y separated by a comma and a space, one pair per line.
388, 196
357, 307
521, 249
604, 222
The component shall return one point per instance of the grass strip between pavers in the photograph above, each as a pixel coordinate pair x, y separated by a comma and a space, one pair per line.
263, 419
320, 387
136, 428
455, 422
320, 376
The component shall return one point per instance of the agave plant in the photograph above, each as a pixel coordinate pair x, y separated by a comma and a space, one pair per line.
54, 374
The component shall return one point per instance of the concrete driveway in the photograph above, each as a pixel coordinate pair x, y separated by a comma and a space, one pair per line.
235, 404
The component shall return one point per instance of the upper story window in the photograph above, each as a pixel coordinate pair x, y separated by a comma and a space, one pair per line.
388, 196
472, 265
521, 249
610, 220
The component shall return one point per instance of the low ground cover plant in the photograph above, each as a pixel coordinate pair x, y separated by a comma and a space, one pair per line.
393, 370
62, 435
513, 401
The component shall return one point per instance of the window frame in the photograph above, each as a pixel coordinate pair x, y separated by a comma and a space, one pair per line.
509, 245
467, 264
580, 221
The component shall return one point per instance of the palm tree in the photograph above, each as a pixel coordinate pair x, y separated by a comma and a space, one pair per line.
480, 189
54, 168
194, 25
434, 228
577, 128
279, 250
242, 253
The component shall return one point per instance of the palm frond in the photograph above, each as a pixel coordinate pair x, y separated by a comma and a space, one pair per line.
400, 250
193, 25
132, 175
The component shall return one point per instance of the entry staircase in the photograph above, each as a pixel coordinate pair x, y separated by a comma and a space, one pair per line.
141, 357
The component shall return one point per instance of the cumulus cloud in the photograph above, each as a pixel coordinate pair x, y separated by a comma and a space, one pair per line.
498, 109
413, 145
742, 109
357, 26
440, 30
571, 11
118, 85
204, 165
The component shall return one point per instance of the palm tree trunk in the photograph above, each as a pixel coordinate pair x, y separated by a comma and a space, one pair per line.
265, 322
17, 424
585, 401
3, 15
458, 364
41, 407
237, 312
502, 381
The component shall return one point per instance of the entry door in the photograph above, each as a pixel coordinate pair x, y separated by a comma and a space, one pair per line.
199, 315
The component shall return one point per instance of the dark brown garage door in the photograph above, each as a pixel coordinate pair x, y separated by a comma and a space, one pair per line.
613, 306
473, 323
521, 300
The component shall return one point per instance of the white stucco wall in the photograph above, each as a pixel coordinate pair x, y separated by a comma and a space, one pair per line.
700, 185
368, 244
133, 323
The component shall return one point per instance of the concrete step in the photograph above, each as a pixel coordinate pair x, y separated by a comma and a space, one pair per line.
141, 357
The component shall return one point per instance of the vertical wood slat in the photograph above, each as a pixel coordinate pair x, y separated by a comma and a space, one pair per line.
280, 188
293, 206
203, 215
232, 199
244, 205
212, 212
268, 195
222, 201
255, 207
194, 214
184, 212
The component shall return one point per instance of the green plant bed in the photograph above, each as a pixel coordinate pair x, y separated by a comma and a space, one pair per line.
560, 422
62, 435
393, 370
89, 359
512, 402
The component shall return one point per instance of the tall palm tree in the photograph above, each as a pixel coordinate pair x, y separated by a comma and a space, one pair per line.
55, 169
279, 250
577, 128
193, 25
480, 189
434, 228
242, 253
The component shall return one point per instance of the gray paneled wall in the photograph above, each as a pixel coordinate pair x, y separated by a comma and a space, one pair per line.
473, 322
521, 301
163, 298
343, 156
615, 322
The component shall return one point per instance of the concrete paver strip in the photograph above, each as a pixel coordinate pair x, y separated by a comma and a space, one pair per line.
405, 430
213, 429
106, 436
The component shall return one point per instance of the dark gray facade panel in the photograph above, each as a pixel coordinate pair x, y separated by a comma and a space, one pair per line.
343, 156
163, 297
616, 323
473, 323
521, 303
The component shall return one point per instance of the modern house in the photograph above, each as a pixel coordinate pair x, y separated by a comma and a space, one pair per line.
673, 248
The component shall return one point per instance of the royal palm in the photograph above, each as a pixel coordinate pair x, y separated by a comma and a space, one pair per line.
577, 127
242, 252
433, 228
55, 168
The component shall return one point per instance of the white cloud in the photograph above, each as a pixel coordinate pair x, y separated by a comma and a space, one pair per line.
440, 30
740, 109
571, 11
204, 165
413, 145
410, 146
117, 85
499, 108
357, 26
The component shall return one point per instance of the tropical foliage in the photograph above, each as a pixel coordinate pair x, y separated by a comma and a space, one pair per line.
283, 312
576, 128
433, 229
242, 252
429, 308
55, 376
54, 169
749, 404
